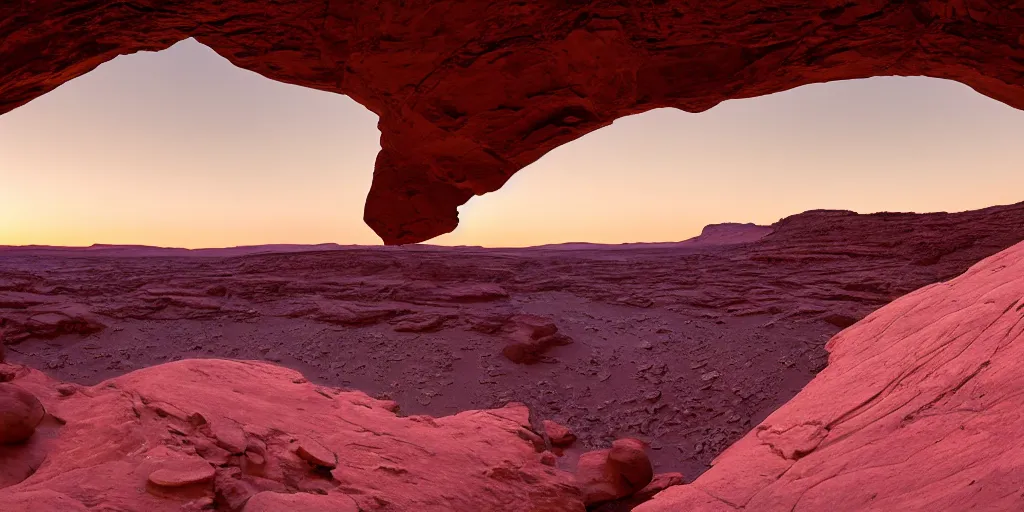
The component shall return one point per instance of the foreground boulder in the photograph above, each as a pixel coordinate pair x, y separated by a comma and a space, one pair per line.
20, 413
919, 409
616, 473
198, 434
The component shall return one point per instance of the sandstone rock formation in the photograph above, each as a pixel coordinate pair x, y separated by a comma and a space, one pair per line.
531, 337
470, 91
615, 473
919, 409
251, 436
559, 435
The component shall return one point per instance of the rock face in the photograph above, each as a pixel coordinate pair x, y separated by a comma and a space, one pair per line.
470, 91
143, 442
919, 409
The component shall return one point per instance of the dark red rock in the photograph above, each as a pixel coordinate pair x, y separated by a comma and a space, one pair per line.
559, 435
660, 482
470, 91
840, 321
629, 457
530, 337
20, 413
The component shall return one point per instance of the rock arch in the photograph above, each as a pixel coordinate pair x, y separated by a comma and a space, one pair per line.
470, 91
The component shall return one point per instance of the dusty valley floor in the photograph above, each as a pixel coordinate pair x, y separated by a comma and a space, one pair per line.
686, 345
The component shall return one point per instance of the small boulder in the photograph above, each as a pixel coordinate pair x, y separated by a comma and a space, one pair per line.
179, 473
530, 337
559, 435
20, 413
629, 457
316, 454
616, 473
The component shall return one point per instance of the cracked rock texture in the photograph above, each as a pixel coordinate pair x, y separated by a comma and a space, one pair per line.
212, 434
470, 91
919, 409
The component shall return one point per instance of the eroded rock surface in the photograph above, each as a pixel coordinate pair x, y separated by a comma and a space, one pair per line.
142, 442
686, 347
470, 91
918, 409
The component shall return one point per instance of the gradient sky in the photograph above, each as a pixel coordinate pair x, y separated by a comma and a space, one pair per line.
179, 148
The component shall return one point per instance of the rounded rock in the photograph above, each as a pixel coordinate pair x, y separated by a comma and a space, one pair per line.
559, 435
182, 473
316, 454
629, 456
20, 414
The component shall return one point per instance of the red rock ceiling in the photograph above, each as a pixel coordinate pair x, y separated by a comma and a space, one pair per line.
470, 91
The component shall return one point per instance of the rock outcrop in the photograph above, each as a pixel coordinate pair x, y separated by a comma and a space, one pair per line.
614, 473
470, 91
919, 409
198, 434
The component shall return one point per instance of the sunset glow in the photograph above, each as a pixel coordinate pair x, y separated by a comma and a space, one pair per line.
180, 148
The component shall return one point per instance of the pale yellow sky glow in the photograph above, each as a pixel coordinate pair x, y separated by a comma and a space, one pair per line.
179, 148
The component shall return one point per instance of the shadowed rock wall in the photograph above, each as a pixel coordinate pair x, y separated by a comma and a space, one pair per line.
470, 91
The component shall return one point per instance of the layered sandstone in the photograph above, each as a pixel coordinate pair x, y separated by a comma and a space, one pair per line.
470, 91
204, 434
918, 409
